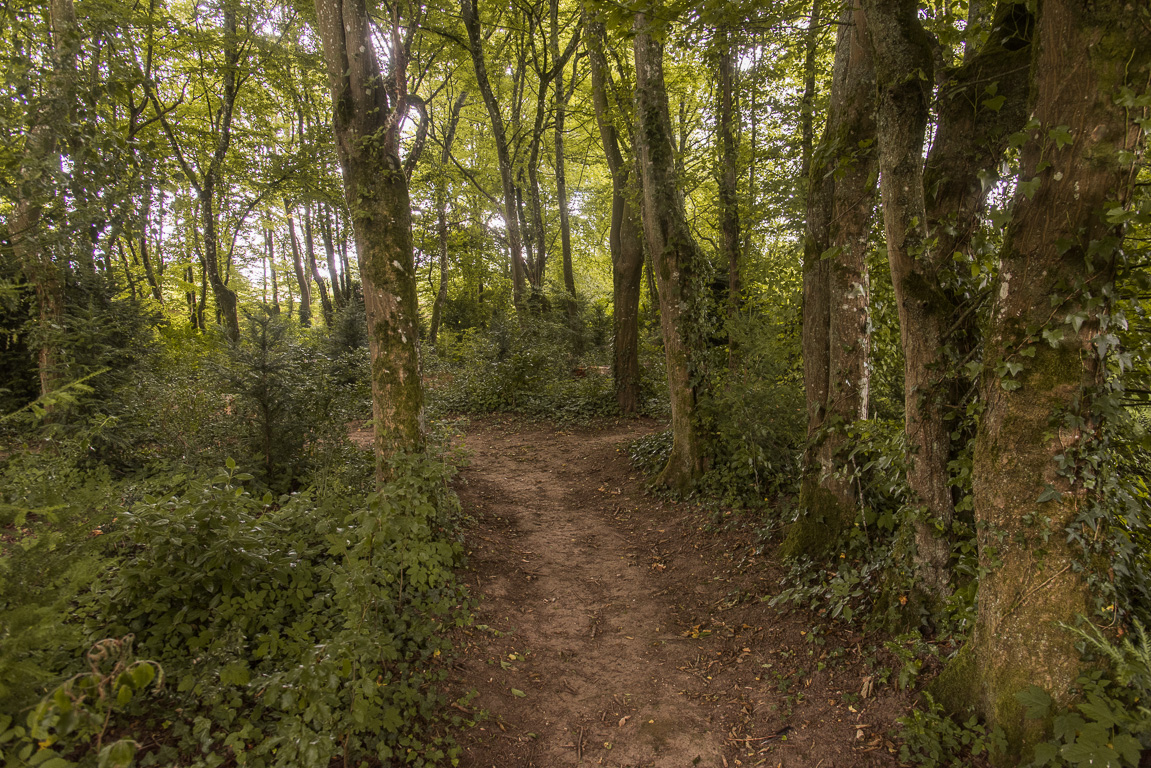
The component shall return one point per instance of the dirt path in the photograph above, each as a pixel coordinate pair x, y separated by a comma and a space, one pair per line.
612, 631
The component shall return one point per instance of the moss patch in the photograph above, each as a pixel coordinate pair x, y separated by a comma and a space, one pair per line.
819, 525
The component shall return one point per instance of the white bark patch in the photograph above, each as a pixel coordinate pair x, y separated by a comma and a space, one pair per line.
397, 265
1004, 288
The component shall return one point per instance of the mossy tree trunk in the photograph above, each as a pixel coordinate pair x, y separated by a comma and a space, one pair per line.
904, 73
626, 234
675, 254
376, 187
836, 344
1057, 259
931, 214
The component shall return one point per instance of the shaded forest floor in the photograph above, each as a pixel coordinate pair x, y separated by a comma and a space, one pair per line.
613, 629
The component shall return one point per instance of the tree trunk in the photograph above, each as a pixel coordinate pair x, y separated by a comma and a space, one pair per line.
971, 136
150, 273
441, 194
728, 171
376, 188
310, 250
840, 203
1042, 366
562, 97
338, 295
226, 302
471, 16
807, 103
625, 235
302, 280
32, 247
904, 66
674, 252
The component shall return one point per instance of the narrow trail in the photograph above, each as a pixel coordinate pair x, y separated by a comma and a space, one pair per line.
612, 630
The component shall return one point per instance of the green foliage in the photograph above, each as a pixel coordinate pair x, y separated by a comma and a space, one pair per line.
294, 630
544, 365
54, 514
1110, 723
755, 415
933, 740
75, 717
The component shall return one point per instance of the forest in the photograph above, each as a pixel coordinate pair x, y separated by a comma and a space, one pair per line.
865, 281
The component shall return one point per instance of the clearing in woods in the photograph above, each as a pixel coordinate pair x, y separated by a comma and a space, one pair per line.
613, 630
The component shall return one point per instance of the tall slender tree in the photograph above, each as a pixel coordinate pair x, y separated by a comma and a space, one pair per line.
625, 237
367, 115
840, 204
675, 254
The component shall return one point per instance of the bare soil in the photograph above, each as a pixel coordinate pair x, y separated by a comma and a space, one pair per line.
617, 628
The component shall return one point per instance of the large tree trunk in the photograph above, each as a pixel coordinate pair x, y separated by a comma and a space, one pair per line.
471, 15
675, 253
376, 188
441, 195
904, 66
932, 214
1058, 255
840, 204
625, 235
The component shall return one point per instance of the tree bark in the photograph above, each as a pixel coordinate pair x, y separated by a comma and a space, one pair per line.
375, 185
1057, 259
625, 236
840, 205
807, 102
674, 252
904, 67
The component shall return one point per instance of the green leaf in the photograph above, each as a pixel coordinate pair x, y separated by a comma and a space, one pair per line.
518, 693
1061, 135
1128, 747
142, 675
1049, 494
1029, 188
1045, 753
117, 755
1097, 709
1036, 701
995, 103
